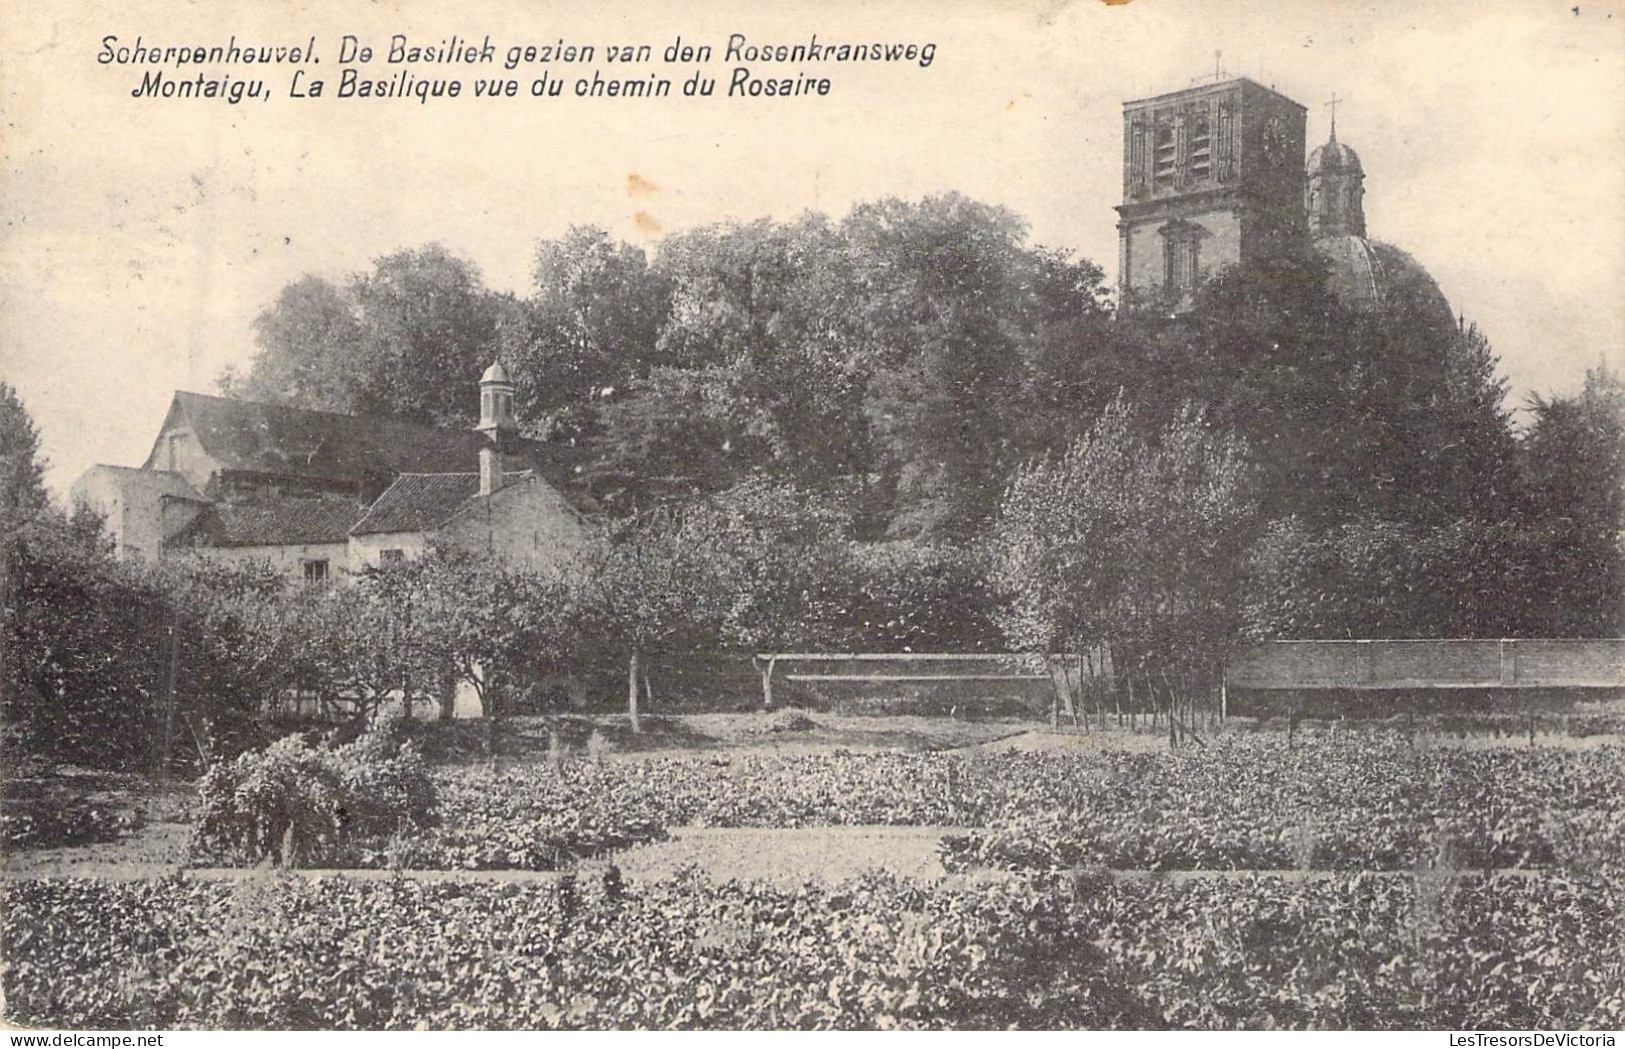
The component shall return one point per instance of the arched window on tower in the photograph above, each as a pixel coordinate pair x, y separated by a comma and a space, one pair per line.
1182, 258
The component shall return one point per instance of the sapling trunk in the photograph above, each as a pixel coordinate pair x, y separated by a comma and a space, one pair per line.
632, 691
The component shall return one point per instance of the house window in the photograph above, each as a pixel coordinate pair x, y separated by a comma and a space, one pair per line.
315, 572
394, 555
174, 450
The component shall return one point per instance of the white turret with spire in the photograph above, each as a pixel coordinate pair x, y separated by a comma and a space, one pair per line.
497, 423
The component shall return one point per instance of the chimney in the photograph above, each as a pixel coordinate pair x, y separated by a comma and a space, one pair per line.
490, 469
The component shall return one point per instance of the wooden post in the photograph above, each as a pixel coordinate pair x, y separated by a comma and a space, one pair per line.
1096, 685
170, 699
1061, 699
766, 671
1176, 724
1080, 716
632, 691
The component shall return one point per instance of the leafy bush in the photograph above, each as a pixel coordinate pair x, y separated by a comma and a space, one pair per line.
84, 638
51, 822
303, 806
540, 819
903, 596
786, 719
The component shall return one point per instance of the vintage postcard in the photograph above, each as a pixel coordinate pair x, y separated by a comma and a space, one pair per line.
813, 516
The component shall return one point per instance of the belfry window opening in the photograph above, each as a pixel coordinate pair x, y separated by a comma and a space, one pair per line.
1165, 157
1201, 151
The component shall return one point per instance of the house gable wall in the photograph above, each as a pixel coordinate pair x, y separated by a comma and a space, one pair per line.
138, 514
528, 523
178, 449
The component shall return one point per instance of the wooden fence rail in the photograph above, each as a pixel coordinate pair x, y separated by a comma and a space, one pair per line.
1066, 673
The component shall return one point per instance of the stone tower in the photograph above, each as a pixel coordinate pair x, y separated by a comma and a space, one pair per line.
1212, 175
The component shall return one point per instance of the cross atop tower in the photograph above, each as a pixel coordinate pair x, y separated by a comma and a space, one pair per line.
1331, 103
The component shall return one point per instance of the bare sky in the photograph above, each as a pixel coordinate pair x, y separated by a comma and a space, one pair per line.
142, 237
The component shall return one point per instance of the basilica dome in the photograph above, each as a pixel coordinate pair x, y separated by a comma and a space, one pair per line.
1371, 276
1367, 275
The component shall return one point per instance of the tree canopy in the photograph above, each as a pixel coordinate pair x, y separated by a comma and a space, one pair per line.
908, 361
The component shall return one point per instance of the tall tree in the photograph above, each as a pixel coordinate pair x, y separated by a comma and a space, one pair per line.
1067, 351
605, 301
1574, 453
1130, 541
756, 377
429, 329
938, 320
1391, 412
404, 339
22, 471
1573, 459
1473, 448
309, 345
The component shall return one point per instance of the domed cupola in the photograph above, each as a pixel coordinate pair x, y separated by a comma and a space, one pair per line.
1367, 275
1334, 190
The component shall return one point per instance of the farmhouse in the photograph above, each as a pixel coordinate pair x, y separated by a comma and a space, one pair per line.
322, 495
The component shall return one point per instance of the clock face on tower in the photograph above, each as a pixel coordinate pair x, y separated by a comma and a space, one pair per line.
1274, 140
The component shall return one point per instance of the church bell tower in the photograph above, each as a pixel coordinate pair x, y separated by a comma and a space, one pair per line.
1212, 175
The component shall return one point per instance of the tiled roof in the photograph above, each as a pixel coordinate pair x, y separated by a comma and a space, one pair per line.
418, 502
273, 439
271, 522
